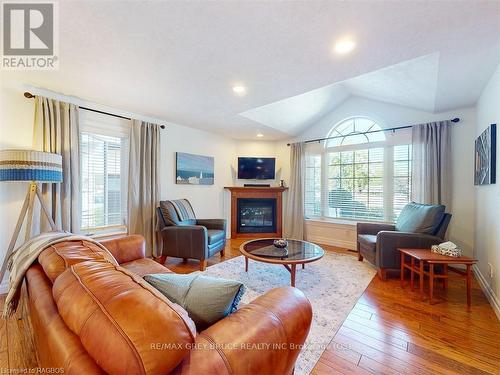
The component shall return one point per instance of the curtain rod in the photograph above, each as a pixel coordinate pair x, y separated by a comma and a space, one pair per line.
456, 119
30, 95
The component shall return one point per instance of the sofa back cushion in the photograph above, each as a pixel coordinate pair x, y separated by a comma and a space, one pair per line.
420, 218
124, 324
56, 258
126, 249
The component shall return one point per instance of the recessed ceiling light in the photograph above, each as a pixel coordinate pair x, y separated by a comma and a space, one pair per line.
239, 89
344, 46
260, 135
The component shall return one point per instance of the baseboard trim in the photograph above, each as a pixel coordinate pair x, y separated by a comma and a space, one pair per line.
332, 242
490, 295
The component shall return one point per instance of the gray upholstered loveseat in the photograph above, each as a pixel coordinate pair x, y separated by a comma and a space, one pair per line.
185, 236
419, 226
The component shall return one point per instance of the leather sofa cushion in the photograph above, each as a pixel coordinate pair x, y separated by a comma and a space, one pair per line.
215, 235
56, 344
206, 299
420, 218
368, 241
126, 249
145, 266
119, 319
56, 258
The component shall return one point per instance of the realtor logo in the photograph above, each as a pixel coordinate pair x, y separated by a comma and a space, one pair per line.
29, 36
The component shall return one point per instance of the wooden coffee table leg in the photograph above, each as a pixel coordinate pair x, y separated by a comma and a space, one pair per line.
412, 273
292, 274
303, 265
246, 264
421, 279
402, 270
431, 282
445, 279
469, 286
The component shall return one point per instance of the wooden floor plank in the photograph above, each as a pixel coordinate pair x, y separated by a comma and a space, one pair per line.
389, 331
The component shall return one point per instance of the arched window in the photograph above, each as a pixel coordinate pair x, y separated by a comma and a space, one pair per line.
362, 173
353, 131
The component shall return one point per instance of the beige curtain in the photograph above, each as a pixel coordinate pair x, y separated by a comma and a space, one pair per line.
56, 130
294, 220
144, 182
431, 163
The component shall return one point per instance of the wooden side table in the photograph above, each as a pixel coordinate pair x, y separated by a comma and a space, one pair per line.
425, 256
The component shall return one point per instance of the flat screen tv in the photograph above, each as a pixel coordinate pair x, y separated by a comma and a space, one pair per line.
256, 168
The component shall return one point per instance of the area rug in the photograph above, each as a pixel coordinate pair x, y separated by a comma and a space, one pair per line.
333, 285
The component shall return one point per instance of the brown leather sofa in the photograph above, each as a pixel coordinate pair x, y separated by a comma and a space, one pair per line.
92, 315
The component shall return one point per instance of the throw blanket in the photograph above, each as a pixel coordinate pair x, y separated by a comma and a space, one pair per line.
24, 256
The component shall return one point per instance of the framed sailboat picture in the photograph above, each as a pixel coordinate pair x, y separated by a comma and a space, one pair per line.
194, 169
485, 157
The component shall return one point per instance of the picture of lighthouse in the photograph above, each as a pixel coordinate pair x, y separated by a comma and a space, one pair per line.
194, 169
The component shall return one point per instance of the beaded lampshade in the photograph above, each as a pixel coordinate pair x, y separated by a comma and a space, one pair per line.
28, 165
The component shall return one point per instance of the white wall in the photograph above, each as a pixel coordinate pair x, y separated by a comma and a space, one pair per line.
461, 230
16, 124
207, 200
487, 235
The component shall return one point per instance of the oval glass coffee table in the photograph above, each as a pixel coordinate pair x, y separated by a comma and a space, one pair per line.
298, 252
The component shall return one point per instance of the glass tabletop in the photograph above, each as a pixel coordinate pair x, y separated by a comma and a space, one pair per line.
296, 250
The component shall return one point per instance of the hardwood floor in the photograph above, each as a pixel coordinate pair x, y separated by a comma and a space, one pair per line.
389, 331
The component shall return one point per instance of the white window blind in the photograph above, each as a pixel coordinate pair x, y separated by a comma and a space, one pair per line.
313, 185
402, 178
103, 170
355, 184
358, 176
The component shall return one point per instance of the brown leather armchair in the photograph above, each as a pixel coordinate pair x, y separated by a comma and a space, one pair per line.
186, 237
378, 243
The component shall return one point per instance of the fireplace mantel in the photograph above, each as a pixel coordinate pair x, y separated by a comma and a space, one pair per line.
238, 192
255, 188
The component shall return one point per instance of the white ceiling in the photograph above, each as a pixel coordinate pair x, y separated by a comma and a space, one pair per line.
177, 60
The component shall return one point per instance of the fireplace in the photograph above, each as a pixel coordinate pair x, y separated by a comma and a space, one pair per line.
256, 215
256, 212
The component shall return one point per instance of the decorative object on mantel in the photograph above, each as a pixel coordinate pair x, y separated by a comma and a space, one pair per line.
485, 157
194, 169
447, 248
280, 243
282, 183
33, 167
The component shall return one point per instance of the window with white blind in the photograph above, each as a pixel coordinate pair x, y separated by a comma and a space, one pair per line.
360, 174
103, 169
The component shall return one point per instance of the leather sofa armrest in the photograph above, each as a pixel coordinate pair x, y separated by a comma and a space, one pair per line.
389, 241
212, 223
126, 249
263, 337
373, 228
185, 241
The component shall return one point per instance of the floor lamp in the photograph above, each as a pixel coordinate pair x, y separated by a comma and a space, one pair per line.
34, 167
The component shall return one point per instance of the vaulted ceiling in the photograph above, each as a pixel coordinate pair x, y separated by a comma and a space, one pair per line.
177, 61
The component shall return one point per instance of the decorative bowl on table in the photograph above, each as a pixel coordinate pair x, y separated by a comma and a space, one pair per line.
280, 243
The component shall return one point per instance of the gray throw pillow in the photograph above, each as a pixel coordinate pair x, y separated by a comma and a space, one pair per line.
206, 299
420, 218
